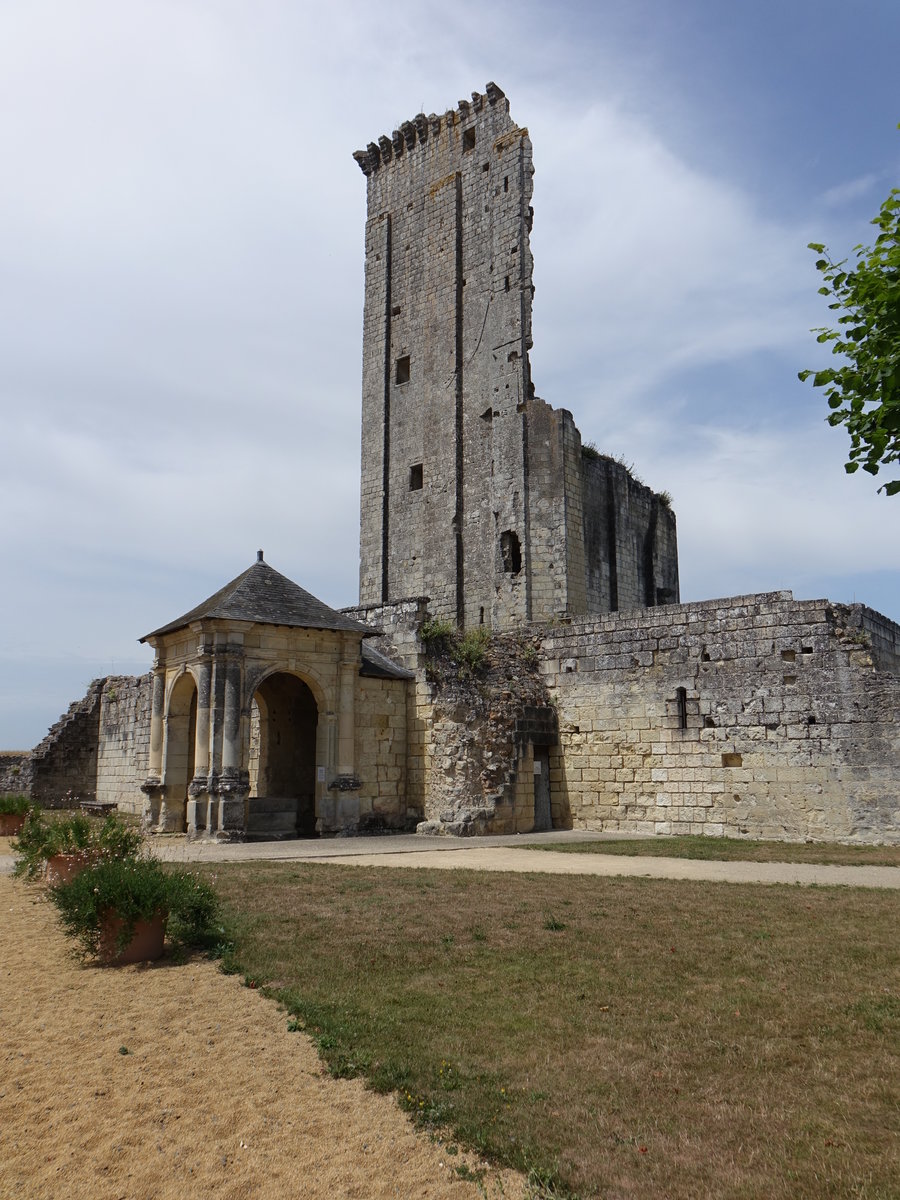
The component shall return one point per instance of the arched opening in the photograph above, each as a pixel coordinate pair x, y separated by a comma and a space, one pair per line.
282, 765
181, 736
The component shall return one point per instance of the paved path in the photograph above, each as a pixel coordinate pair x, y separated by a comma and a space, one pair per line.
506, 853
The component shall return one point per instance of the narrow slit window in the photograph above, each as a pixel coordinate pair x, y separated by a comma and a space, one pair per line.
510, 552
416, 478
402, 372
681, 704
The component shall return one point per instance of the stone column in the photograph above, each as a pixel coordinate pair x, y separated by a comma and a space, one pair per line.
151, 787
198, 789
234, 783
344, 809
346, 748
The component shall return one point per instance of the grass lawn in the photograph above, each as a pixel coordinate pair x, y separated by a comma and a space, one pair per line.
625, 1038
733, 850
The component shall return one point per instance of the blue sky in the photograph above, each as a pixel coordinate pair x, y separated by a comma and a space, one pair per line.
181, 287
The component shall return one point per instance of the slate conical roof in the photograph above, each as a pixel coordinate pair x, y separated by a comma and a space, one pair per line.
263, 595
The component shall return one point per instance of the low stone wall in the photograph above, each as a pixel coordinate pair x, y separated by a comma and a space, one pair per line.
757, 715
123, 741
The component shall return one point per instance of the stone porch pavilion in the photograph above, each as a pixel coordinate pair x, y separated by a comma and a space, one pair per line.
263, 702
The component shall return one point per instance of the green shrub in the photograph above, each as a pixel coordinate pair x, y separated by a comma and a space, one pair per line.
12, 805
469, 652
39, 840
435, 630
135, 890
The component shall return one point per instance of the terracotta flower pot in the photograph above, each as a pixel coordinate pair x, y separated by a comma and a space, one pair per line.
146, 943
11, 824
63, 867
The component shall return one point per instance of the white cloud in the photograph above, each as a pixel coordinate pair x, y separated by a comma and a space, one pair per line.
844, 193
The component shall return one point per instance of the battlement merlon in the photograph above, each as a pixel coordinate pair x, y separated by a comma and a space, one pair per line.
420, 128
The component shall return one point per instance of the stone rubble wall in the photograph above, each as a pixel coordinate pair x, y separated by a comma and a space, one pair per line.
123, 741
786, 727
15, 772
484, 728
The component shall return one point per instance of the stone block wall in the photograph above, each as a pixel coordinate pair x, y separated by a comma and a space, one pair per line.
123, 743
381, 724
758, 715
400, 623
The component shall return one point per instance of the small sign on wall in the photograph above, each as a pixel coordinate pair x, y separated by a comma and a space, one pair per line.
320, 774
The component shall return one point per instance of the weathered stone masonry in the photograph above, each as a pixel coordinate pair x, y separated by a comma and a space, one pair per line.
756, 715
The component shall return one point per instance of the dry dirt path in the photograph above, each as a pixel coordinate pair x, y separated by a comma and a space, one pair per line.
214, 1098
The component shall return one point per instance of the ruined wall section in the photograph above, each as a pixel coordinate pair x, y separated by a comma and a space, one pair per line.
123, 746
446, 380
64, 763
486, 723
758, 715
630, 540
883, 635
556, 519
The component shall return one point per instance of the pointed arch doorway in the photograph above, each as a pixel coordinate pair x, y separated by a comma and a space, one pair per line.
283, 726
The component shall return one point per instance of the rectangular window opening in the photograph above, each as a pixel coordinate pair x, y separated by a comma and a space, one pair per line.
506, 283
416, 477
402, 373
681, 701
732, 760
486, 167
506, 183
469, 139
395, 311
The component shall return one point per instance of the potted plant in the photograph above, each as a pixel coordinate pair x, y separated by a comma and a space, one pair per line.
62, 848
13, 811
118, 910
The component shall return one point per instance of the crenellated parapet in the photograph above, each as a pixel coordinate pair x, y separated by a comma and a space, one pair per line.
421, 128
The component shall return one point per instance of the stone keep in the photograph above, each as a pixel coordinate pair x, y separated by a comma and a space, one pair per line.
476, 493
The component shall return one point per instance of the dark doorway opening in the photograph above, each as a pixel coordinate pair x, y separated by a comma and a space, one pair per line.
543, 814
283, 756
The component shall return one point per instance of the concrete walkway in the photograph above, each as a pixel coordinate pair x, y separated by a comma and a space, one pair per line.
506, 853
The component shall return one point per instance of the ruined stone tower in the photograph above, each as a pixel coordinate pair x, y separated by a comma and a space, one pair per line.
475, 493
